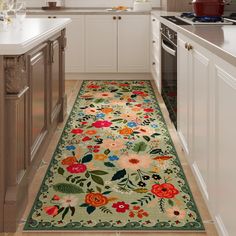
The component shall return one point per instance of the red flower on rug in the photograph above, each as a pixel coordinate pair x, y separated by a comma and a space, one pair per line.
141, 93
165, 190
77, 168
149, 110
96, 199
121, 207
102, 124
77, 131
51, 210
93, 86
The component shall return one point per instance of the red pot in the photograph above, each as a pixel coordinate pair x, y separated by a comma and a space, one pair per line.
208, 7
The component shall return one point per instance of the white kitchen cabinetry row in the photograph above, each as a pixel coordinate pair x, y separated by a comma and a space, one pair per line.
156, 51
107, 43
206, 126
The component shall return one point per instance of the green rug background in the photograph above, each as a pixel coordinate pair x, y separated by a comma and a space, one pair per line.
46, 200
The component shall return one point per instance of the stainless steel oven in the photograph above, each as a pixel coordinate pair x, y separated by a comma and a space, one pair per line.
169, 70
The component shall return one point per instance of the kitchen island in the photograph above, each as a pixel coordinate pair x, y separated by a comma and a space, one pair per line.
32, 102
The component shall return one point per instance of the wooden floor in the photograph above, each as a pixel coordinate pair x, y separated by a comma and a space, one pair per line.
72, 88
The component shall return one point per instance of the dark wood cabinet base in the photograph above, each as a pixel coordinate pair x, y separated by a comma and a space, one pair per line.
32, 102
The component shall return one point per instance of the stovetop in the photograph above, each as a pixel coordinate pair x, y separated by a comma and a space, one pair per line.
188, 18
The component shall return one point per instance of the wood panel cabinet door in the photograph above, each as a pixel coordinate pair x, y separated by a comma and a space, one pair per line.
54, 78
101, 43
38, 96
133, 43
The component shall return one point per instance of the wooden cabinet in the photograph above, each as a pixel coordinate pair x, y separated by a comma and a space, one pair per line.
35, 101
155, 54
38, 69
101, 43
55, 75
206, 116
117, 43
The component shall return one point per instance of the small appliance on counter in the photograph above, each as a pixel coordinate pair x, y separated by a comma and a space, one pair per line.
54, 5
142, 6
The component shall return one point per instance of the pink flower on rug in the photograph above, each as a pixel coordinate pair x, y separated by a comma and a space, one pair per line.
134, 161
90, 111
165, 190
77, 131
149, 110
121, 207
176, 213
76, 168
56, 198
51, 210
102, 124
111, 144
129, 116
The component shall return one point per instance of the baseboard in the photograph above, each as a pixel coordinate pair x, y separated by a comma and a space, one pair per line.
108, 76
184, 144
220, 226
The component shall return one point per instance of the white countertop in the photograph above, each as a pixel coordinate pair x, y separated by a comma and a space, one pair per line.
219, 39
18, 41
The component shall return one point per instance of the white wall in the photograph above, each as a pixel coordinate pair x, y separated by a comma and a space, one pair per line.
90, 3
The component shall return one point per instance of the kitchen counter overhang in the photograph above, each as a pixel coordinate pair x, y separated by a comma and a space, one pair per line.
17, 41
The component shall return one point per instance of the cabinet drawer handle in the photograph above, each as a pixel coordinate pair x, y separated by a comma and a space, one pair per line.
119, 17
154, 63
186, 45
153, 19
114, 17
54, 17
49, 17
153, 41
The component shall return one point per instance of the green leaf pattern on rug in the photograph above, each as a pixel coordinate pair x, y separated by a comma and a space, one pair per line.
115, 167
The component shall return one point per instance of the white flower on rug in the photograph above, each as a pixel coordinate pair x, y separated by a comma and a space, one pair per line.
113, 144
134, 161
69, 201
176, 213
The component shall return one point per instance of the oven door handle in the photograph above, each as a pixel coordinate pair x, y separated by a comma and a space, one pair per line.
168, 49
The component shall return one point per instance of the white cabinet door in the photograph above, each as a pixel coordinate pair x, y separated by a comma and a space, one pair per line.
200, 76
224, 146
193, 107
155, 51
75, 45
133, 43
183, 93
75, 49
101, 43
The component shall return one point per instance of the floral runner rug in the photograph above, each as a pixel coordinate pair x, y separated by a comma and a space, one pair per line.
115, 167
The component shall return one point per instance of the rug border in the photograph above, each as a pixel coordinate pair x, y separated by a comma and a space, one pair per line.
200, 230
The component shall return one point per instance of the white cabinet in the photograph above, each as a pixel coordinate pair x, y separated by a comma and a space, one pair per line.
206, 126
101, 43
117, 43
224, 136
133, 43
155, 54
75, 49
